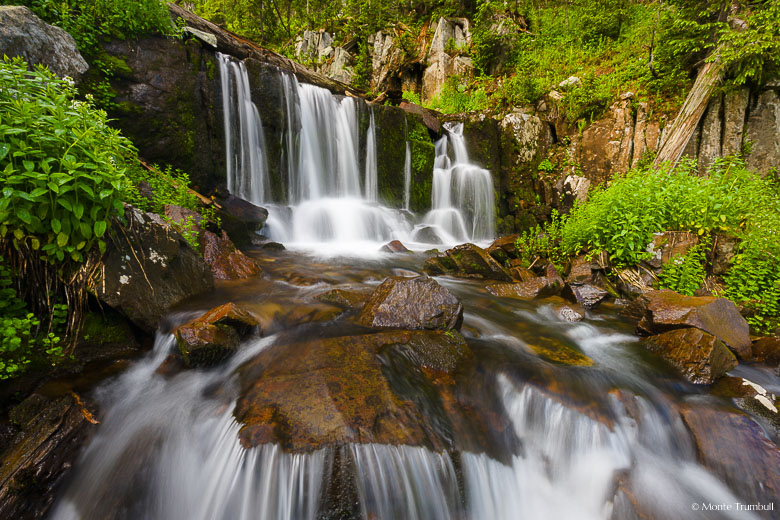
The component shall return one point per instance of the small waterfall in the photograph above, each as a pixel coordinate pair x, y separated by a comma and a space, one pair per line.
247, 171
463, 201
372, 178
407, 167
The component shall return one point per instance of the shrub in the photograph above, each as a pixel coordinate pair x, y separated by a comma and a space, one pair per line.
685, 273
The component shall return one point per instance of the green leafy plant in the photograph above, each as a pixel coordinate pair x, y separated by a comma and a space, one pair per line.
685, 273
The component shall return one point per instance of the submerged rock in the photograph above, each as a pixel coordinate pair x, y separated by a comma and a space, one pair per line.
667, 310
412, 303
350, 298
338, 390
148, 268
699, 356
212, 337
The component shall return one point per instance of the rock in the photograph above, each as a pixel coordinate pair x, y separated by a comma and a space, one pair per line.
241, 219
225, 261
394, 246
503, 248
723, 251
699, 356
50, 434
214, 336
709, 146
571, 81
387, 58
669, 244
735, 448
430, 118
540, 287
585, 294
340, 68
761, 130
667, 310
24, 34
265, 243
467, 260
607, 144
767, 351
412, 303
564, 310
347, 298
341, 390
573, 189
440, 64
522, 274
148, 268
735, 106
581, 271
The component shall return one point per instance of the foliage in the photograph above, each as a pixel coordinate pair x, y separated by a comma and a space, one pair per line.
411, 97
544, 242
455, 98
685, 273
22, 341
756, 48
63, 167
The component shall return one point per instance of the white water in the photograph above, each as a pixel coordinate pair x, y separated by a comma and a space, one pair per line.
463, 198
247, 170
332, 204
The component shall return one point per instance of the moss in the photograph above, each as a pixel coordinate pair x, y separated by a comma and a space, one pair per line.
128, 108
104, 328
423, 155
210, 69
117, 66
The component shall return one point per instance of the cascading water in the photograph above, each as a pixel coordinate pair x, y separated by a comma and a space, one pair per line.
247, 171
463, 200
333, 204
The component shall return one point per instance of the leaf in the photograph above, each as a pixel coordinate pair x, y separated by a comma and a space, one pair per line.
4, 150
56, 225
24, 215
65, 203
62, 239
100, 228
78, 210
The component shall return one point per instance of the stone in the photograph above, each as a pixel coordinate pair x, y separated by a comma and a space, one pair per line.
148, 268
666, 310
736, 449
581, 271
395, 246
39, 456
332, 391
430, 118
607, 144
212, 337
243, 210
387, 58
530, 290
227, 262
734, 109
503, 248
564, 310
767, 350
709, 147
723, 251
412, 303
24, 34
668, 245
699, 356
351, 298
585, 294
763, 131
571, 81
467, 260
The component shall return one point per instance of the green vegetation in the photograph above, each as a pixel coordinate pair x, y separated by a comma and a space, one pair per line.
685, 273
622, 217
66, 175
91, 22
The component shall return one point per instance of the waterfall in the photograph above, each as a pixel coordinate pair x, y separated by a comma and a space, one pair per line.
407, 167
372, 178
247, 171
463, 201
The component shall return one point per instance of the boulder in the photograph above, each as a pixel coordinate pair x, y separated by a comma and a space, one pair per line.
581, 271
240, 219
767, 350
350, 298
668, 245
503, 248
426, 235
585, 294
735, 448
215, 335
761, 130
24, 34
49, 435
699, 356
667, 310
148, 268
412, 303
564, 310
333, 391
225, 261
536, 288
467, 260
394, 246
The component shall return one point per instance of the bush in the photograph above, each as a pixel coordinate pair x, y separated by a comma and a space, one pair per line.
685, 273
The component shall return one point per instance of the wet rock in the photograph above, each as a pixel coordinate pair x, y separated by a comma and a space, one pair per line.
265, 243
338, 390
467, 260
24, 34
49, 436
667, 310
503, 248
586, 294
148, 268
396, 246
734, 447
347, 298
767, 351
225, 261
581, 271
564, 310
240, 219
531, 289
430, 118
722, 253
412, 303
209, 339
699, 356
522, 274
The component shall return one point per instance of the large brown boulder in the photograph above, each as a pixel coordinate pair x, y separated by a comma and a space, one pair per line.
148, 268
338, 390
225, 261
412, 303
503, 248
586, 295
214, 335
767, 350
666, 310
735, 448
539, 287
699, 356
467, 260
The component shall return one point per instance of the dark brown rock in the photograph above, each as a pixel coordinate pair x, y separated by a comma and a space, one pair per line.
722, 253
521, 274
539, 287
767, 350
395, 246
667, 310
735, 448
467, 260
587, 295
225, 261
347, 298
335, 390
699, 356
503, 248
581, 271
148, 268
212, 337
430, 118
412, 303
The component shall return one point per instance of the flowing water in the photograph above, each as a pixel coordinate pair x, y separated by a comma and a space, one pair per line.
558, 420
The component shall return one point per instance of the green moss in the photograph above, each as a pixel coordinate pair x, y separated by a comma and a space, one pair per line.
423, 155
116, 65
210, 69
104, 328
